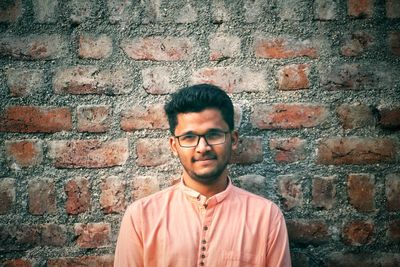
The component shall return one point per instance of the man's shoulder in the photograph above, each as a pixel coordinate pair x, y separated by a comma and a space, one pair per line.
255, 200
154, 199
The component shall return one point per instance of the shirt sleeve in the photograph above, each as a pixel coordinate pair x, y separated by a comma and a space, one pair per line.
129, 249
278, 254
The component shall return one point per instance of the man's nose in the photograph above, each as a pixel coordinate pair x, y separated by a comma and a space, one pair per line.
202, 145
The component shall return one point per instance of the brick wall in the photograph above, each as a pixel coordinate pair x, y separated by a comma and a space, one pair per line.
316, 87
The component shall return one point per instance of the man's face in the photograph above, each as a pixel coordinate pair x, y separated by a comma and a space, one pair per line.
203, 163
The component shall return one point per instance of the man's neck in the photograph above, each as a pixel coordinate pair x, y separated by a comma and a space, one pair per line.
207, 190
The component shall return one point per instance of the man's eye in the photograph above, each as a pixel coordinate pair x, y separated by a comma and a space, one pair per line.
188, 137
214, 135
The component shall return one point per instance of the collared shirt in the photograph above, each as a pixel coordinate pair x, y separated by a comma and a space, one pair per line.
179, 227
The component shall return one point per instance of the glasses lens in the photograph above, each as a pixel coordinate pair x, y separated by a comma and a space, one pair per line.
188, 140
215, 138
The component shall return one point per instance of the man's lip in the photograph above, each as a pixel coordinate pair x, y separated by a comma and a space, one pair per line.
204, 159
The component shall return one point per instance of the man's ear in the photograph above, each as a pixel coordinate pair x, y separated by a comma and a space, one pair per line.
173, 144
234, 139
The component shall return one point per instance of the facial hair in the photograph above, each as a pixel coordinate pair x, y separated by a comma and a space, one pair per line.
211, 177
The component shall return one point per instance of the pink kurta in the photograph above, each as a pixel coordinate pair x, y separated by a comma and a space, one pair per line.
178, 227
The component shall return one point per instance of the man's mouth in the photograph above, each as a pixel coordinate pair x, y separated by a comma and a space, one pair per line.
204, 158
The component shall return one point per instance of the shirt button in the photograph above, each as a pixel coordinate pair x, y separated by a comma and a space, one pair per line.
201, 263
205, 228
203, 248
203, 256
203, 241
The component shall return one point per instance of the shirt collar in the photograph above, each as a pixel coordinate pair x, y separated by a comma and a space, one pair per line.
212, 201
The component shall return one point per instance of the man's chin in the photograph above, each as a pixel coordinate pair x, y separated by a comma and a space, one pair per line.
206, 178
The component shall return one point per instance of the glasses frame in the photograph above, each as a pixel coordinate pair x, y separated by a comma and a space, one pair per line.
199, 137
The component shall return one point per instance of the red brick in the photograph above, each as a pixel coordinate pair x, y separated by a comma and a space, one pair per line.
324, 192
325, 10
253, 183
223, 46
92, 235
112, 198
19, 237
238, 114
219, 12
153, 152
24, 82
355, 150
151, 12
392, 190
94, 47
375, 259
95, 119
53, 235
360, 8
7, 195
293, 9
356, 115
143, 186
120, 11
45, 11
393, 232
294, 77
80, 11
33, 47
288, 116
10, 11
42, 197
393, 9
277, 47
17, 263
158, 80
357, 233
231, 79
394, 43
249, 151
285, 150
33, 119
158, 48
186, 14
357, 43
82, 80
361, 191
389, 118
347, 77
101, 261
89, 153
253, 11
308, 232
291, 191
144, 117
24, 153
78, 196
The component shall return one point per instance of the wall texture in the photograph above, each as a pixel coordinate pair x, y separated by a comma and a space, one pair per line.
316, 85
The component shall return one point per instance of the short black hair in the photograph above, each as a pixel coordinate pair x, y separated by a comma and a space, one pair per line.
197, 98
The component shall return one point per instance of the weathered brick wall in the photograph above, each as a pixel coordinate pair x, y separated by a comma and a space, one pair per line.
316, 85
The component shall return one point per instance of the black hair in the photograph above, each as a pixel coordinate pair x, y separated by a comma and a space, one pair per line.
197, 98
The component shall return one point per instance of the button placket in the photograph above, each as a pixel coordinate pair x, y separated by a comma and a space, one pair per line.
205, 234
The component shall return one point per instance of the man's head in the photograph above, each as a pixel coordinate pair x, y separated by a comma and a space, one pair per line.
197, 98
203, 135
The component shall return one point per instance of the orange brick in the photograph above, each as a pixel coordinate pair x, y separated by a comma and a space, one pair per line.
32, 119
279, 48
294, 77
288, 116
158, 48
24, 153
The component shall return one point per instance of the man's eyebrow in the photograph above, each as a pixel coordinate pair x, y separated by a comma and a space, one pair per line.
209, 131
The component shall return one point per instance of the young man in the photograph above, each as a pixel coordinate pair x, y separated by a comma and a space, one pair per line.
204, 220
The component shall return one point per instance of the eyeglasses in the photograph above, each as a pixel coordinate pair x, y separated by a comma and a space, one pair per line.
192, 140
